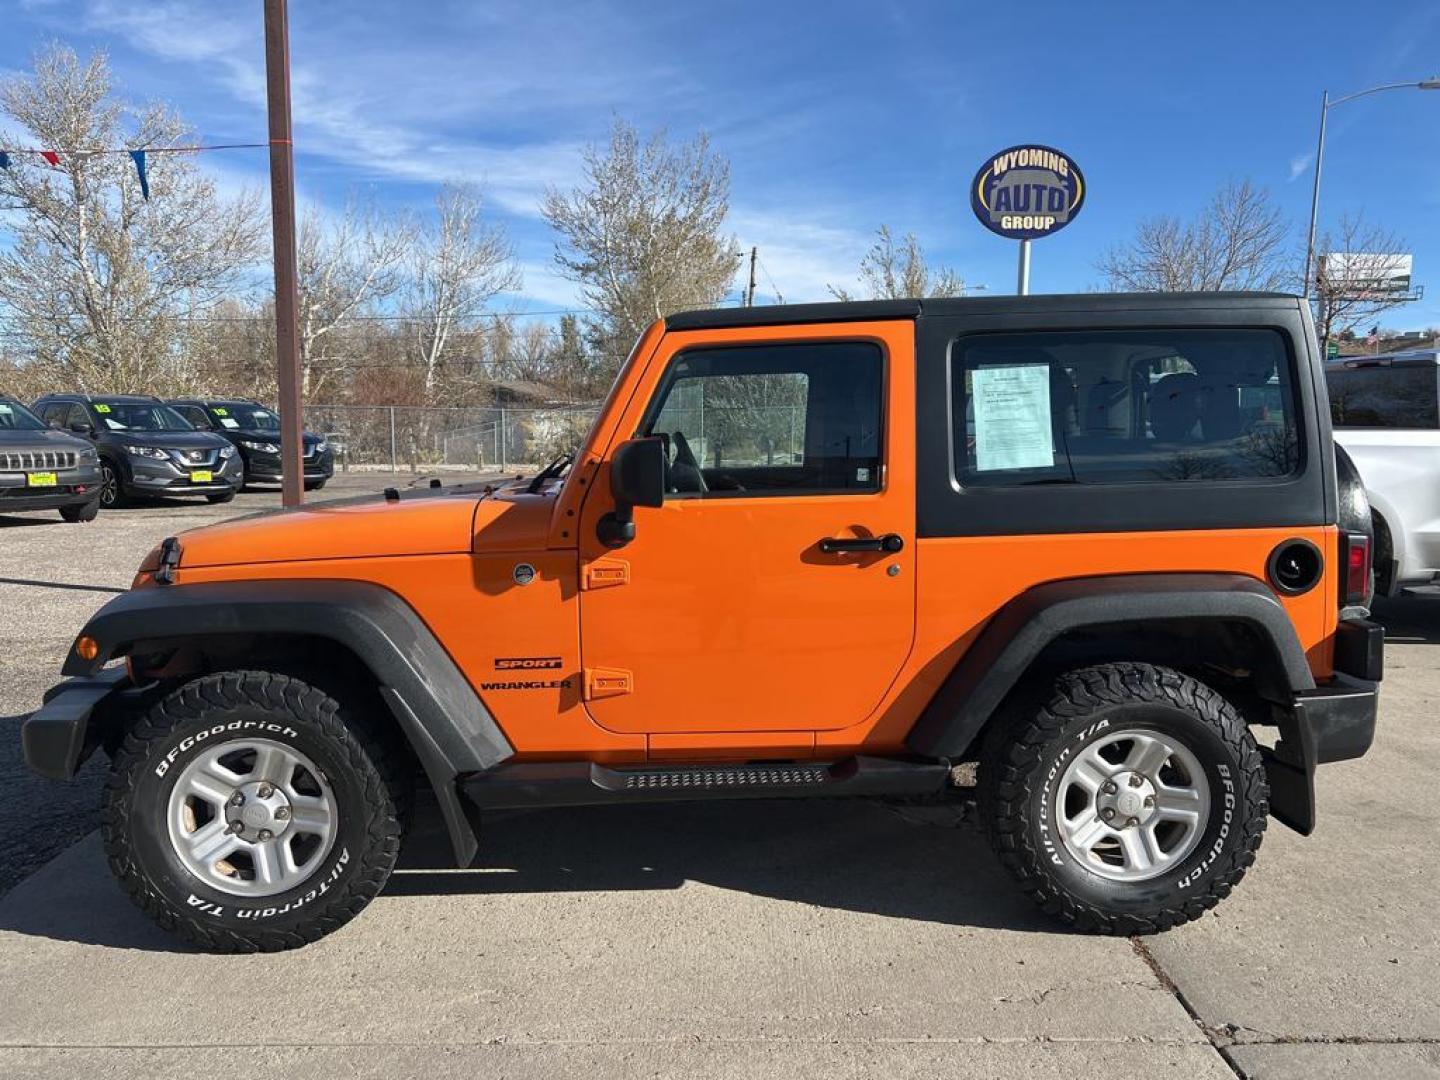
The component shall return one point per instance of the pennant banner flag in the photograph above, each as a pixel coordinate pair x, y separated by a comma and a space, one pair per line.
52, 157
4, 160
138, 156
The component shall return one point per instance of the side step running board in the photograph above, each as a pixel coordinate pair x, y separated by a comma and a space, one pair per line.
583, 783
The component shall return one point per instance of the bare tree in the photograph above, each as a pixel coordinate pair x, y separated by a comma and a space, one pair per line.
1354, 262
642, 233
102, 284
346, 268
1237, 242
459, 263
892, 273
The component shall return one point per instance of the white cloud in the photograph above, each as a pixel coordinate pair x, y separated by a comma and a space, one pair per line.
803, 254
1299, 165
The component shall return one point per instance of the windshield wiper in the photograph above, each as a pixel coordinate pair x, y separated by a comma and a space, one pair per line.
549, 472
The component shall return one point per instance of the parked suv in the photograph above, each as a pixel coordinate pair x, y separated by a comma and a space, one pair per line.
1386, 413
44, 469
823, 550
255, 432
146, 448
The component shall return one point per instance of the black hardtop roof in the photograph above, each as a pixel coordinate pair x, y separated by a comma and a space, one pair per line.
70, 396
865, 310
210, 402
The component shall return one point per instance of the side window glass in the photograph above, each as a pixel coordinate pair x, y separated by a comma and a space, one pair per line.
1376, 395
1123, 406
77, 415
772, 420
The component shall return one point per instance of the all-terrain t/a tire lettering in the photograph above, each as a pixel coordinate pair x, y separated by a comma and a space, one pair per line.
1100, 721
247, 732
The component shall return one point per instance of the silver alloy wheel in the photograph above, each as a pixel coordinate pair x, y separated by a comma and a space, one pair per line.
1132, 805
252, 817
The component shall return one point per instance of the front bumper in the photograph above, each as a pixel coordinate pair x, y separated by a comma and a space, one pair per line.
267, 466
1334, 722
59, 736
156, 478
73, 487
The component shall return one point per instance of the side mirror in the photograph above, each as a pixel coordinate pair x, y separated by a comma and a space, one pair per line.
55, 424
637, 478
79, 427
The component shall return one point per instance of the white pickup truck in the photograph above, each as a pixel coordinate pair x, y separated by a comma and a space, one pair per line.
1386, 414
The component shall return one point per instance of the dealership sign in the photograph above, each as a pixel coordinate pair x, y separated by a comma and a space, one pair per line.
1027, 192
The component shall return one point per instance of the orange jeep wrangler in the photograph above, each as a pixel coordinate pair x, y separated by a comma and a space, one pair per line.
1101, 545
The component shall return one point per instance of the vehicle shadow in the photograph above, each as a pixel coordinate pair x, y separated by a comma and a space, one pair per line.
904, 861
907, 862
1412, 619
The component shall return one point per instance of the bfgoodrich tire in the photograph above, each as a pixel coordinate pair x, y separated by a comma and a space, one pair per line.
1132, 800
246, 812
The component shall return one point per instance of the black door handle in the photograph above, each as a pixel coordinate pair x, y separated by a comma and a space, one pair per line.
890, 542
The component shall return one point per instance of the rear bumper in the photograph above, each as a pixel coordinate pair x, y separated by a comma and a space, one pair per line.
59, 736
1334, 722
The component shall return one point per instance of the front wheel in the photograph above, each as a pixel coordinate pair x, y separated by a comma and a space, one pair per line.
245, 812
83, 512
314, 485
216, 497
111, 484
1132, 800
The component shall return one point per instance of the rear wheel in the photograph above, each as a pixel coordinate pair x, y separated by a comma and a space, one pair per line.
245, 812
1132, 800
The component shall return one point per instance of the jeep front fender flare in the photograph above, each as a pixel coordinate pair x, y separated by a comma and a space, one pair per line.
1020, 631
444, 720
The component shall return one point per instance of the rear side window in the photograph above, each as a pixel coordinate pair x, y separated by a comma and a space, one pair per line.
1122, 406
771, 420
1384, 396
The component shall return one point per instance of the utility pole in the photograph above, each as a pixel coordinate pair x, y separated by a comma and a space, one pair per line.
750, 292
282, 215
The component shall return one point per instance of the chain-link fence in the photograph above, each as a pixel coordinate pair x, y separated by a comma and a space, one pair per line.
397, 437
413, 437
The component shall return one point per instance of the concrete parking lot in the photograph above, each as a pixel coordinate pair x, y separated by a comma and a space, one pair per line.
748, 940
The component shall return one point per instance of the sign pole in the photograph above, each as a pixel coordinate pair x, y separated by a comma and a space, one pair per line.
1022, 287
282, 212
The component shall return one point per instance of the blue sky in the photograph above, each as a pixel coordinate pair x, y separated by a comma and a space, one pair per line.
836, 116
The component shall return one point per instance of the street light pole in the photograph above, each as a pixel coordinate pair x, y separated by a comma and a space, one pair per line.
282, 213
1432, 83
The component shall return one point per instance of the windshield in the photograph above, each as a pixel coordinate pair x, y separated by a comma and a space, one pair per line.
233, 416
15, 417
140, 416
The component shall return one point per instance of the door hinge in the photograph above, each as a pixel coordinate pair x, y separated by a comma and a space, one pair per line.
607, 682
603, 573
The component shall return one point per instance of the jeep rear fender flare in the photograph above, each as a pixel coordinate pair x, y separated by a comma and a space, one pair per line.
439, 712
1021, 630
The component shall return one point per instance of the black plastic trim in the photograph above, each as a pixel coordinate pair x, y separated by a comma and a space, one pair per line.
448, 726
1340, 717
1020, 631
1273, 576
54, 737
582, 783
1360, 649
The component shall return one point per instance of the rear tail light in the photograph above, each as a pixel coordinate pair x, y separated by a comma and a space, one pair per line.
1355, 552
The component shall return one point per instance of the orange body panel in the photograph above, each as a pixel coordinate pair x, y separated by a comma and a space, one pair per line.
718, 633
964, 581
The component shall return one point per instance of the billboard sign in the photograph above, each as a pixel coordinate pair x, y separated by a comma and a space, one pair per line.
1027, 192
1358, 273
